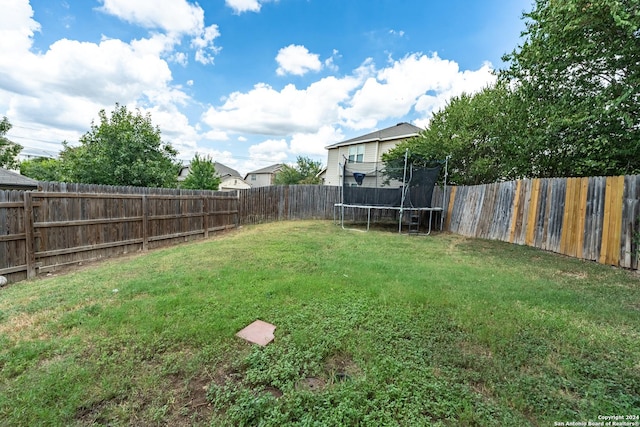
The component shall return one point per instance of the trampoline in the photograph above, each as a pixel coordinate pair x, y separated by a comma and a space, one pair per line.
403, 188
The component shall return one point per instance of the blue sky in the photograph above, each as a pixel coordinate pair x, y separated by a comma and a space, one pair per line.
248, 82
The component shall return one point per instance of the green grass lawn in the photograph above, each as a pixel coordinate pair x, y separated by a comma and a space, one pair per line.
372, 329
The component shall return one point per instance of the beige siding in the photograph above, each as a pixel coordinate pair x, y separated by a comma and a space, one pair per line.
372, 153
261, 179
333, 167
386, 146
233, 183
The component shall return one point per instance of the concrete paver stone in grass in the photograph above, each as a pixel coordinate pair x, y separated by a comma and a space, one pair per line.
258, 332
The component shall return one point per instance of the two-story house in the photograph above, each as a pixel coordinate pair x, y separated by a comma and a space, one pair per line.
365, 149
263, 177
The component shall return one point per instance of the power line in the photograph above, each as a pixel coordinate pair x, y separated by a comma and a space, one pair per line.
34, 139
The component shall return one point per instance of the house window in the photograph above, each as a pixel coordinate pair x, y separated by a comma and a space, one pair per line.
356, 153
253, 177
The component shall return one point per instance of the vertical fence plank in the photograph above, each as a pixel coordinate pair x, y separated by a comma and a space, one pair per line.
617, 225
452, 198
145, 222
611, 234
584, 187
533, 213
516, 212
28, 228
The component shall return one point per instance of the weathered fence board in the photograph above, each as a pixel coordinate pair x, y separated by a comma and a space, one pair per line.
13, 236
277, 203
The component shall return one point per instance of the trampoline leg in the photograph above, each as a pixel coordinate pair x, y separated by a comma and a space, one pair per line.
430, 219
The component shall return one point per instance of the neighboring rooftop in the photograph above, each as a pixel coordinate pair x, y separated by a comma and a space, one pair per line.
222, 170
268, 169
14, 181
225, 171
399, 131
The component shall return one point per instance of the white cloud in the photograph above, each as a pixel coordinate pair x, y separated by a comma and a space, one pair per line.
216, 135
465, 82
17, 27
271, 150
266, 153
398, 88
329, 63
179, 58
312, 144
176, 17
241, 6
204, 44
266, 111
297, 60
173, 16
417, 82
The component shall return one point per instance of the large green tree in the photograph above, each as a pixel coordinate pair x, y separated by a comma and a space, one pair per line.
8, 150
476, 131
202, 174
305, 171
577, 76
123, 149
42, 169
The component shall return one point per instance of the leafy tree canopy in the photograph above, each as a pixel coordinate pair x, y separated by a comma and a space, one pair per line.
577, 75
42, 169
473, 130
305, 171
202, 175
123, 149
8, 150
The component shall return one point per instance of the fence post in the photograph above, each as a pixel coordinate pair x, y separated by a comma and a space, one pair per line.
145, 223
30, 254
237, 207
205, 215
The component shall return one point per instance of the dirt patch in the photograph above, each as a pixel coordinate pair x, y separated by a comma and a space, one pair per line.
311, 384
340, 367
472, 349
275, 392
580, 275
94, 414
190, 405
481, 388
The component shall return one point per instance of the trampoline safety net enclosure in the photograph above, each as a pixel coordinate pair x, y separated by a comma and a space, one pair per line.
406, 188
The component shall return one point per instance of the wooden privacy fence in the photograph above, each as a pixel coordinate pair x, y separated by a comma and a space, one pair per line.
589, 218
41, 231
284, 202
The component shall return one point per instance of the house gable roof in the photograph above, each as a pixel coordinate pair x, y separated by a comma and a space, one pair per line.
12, 180
269, 169
399, 131
222, 170
225, 171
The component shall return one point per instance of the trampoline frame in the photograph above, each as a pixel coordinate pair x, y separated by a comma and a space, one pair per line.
401, 209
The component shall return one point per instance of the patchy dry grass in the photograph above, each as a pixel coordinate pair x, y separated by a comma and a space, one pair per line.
372, 329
